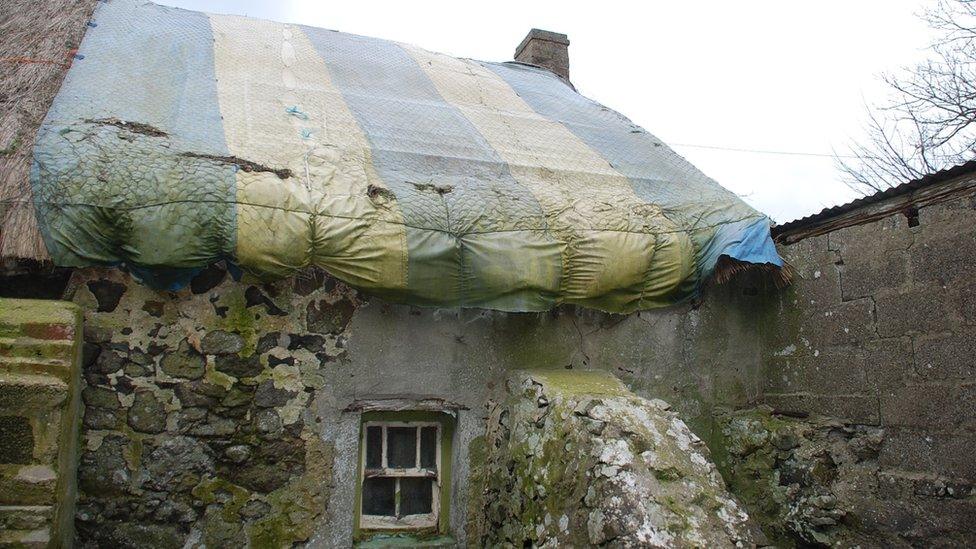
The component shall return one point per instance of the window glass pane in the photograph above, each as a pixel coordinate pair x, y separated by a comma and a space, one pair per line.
401, 447
416, 496
379, 496
374, 447
428, 447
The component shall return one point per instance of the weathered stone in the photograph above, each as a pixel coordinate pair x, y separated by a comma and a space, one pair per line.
239, 366
185, 363
238, 395
104, 471
220, 532
175, 464
863, 276
107, 294
921, 310
109, 362
947, 356
147, 414
829, 371
100, 397
842, 323
646, 481
255, 509
329, 318
267, 396
170, 511
268, 423
267, 342
199, 393
89, 354
214, 425
253, 297
941, 257
18, 440
131, 535
134, 369
790, 472
207, 279
311, 280
154, 308
311, 343
97, 334
239, 453
926, 406
101, 418
187, 417
272, 464
219, 342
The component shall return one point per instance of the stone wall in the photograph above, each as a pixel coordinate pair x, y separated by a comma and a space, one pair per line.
227, 412
574, 459
877, 336
197, 427
40, 343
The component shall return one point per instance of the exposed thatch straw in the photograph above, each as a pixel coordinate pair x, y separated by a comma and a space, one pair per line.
727, 268
37, 43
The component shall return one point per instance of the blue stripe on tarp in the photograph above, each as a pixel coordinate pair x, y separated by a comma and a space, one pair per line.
101, 200
657, 174
151, 64
747, 240
418, 142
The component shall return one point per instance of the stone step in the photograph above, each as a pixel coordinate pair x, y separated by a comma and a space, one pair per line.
26, 347
27, 485
56, 367
24, 517
24, 394
38, 319
25, 539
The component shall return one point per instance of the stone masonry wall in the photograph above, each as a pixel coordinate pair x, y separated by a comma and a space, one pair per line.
196, 427
220, 414
869, 362
40, 343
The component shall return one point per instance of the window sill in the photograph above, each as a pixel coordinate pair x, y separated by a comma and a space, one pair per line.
381, 541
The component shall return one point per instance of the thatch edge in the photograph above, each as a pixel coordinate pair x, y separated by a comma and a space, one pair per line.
728, 268
38, 41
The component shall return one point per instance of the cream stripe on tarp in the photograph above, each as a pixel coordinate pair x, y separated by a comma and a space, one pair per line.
621, 252
475, 237
280, 109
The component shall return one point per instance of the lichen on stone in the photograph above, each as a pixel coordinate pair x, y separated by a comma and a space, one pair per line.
574, 459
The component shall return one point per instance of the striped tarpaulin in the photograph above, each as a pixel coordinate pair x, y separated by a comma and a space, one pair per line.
180, 139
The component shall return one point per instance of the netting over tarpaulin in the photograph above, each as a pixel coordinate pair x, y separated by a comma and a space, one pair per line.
180, 139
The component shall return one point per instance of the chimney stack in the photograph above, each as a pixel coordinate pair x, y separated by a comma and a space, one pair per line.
549, 50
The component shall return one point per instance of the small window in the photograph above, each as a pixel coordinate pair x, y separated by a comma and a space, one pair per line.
404, 471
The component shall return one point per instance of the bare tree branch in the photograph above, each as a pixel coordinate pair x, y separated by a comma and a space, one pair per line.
929, 121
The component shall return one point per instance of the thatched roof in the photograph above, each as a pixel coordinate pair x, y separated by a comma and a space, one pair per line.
179, 139
38, 41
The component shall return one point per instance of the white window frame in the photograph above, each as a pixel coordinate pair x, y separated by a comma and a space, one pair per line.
407, 522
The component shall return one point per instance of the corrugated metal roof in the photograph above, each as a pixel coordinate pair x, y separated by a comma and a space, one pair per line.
898, 190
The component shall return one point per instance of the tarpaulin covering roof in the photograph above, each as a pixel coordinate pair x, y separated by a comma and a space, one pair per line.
179, 139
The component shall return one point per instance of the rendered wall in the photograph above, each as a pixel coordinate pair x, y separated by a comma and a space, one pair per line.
40, 344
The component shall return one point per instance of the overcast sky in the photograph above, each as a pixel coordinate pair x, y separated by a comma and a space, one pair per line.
771, 75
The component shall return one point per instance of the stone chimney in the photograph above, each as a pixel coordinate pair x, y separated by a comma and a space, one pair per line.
549, 50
